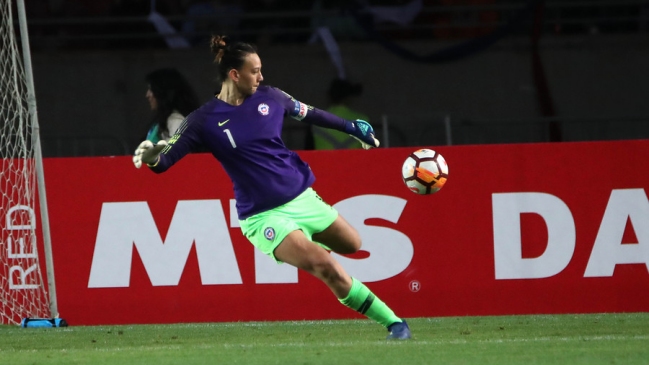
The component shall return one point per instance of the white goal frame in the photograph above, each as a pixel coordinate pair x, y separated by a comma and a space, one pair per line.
37, 157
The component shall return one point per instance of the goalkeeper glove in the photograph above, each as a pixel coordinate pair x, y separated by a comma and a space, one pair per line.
364, 133
148, 153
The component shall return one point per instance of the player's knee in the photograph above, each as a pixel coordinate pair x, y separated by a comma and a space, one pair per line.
356, 245
326, 270
351, 246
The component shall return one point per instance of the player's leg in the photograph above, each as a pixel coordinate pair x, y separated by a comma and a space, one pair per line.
297, 250
342, 238
285, 233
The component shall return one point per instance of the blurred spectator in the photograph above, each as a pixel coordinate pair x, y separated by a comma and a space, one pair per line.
171, 99
341, 95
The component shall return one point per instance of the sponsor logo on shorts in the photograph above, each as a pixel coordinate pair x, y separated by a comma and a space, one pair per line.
269, 233
263, 109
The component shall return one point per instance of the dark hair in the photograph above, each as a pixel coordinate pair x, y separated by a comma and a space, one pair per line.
229, 55
340, 89
172, 92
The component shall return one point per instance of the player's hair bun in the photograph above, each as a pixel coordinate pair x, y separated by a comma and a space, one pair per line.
217, 45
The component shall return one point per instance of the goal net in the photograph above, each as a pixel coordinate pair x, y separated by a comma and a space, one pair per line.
22, 289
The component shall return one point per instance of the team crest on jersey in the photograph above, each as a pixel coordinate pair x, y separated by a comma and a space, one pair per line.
263, 109
269, 233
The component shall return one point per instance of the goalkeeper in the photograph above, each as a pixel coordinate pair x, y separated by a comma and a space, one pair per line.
278, 210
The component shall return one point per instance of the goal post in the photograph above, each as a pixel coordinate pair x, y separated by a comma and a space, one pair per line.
23, 292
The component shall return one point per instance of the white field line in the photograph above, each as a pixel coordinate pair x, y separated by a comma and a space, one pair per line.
105, 328
335, 344
449, 342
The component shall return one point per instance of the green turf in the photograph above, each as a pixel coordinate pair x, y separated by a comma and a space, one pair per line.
548, 339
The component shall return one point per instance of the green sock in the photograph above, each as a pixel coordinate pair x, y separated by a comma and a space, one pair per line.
362, 300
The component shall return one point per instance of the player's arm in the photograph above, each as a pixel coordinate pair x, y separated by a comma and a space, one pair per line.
161, 156
359, 129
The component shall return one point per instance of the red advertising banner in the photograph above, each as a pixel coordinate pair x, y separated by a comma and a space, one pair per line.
517, 229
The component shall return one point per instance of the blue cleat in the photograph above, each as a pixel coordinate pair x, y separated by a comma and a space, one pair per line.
399, 331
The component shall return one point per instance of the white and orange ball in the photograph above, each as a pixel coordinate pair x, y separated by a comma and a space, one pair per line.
425, 171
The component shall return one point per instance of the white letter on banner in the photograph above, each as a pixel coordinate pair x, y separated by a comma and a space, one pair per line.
123, 224
390, 250
23, 275
609, 249
509, 261
267, 271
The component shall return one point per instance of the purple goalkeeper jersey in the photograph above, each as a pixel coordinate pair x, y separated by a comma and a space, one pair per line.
246, 139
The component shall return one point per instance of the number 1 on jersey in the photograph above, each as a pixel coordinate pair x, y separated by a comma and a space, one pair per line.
227, 131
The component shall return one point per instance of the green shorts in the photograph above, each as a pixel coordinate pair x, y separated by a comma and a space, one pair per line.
308, 213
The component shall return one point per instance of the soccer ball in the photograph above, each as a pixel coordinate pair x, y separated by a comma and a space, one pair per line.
424, 171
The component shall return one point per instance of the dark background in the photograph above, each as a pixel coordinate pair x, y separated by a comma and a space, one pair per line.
459, 72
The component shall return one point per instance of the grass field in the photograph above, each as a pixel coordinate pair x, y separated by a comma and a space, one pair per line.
542, 339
